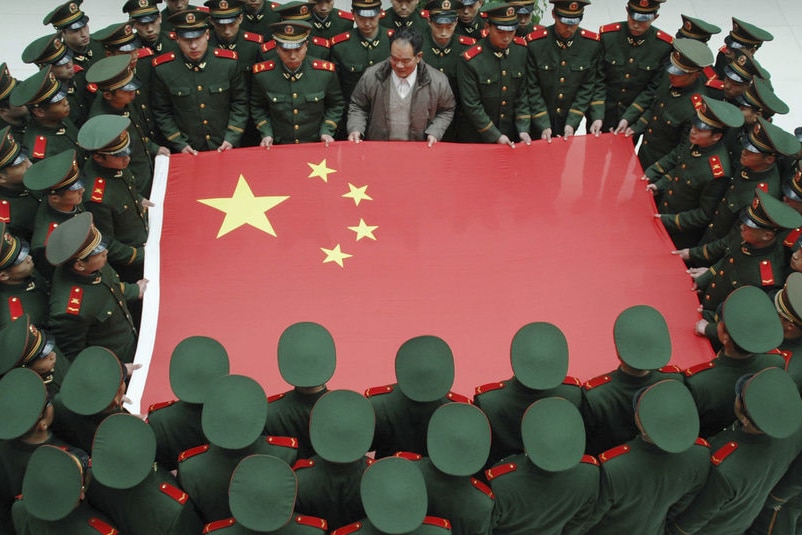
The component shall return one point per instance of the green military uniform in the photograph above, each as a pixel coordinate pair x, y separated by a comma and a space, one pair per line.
658, 472
539, 358
341, 430
88, 309
260, 21
288, 415
195, 364
492, 86
787, 302
337, 22
68, 16
233, 417
746, 464
352, 53
245, 44
200, 104
28, 296
24, 346
782, 512
743, 36
476, 29
693, 28
562, 75
169, 25
691, 185
666, 120
391, 20
145, 12
296, 106
760, 99
7, 85
751, 322
552, 488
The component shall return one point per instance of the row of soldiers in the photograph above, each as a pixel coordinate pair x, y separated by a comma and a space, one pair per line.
647, 448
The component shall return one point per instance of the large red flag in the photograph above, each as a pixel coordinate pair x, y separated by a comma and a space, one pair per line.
381, 242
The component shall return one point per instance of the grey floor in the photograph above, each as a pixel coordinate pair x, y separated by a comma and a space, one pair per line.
21, 23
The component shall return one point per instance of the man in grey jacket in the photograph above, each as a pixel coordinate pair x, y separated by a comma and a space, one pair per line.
402, 98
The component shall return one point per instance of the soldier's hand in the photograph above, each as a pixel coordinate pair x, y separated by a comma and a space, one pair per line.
430, 140
143, 284
695, 273
266, 142
525, 138
226, 145
163, 151
568, 132
653, 189
629, 132
546, 134
504, 140
644, 176
699, 328
622, 127
130, 368
148, 203
595, 127
685, 254
326, 139
355, 136
189, 150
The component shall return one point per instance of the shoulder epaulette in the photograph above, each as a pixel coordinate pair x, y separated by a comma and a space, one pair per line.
101, 527
589, 459
496, 471
303, 463
696, 100
174, 492
98, 189
52, 226
321, 65
263, 66
5, 211
40, 147
459, 398
670, 368
77, 68
144, 52
612, 453
369, 461
478, 485
596, 381
275, 397
489, 387
702, 442
164, 58
763, 186
340, 37
663, 36
74, 302
408, 455
534, 35
465, 40
519, 40
162, 405
92, 88
203, 8
792, 237
284, 442
171, 35
311, 521
614, 27
693, 370
723, 49
424, 13
218, 524
572, 381
710, 72
267, 46
192, 452
378, 390
320, 41
587, 34
715, 83
15, 308
766, 273
723, 452
253, 37
347, 15
225, 53
715, 166
472, 52
347, 530
437, 522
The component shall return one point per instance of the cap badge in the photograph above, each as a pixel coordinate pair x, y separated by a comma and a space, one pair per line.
223, 4
741, 60
644, 3
573, 6
756, 129
446, 4
128, 29
510, 11
73, 7
7, 238
190, 18
303, 10
57, 43
289, 29
143, 3
52, 77
755, 203
687, 25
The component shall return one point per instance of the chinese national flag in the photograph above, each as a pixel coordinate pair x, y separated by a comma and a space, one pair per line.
380, 242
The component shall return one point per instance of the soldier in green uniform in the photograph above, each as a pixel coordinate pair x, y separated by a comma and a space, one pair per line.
658, 473
471, 21
747, 328
258, 16
200, 100
403, 13
233, 418
750, 456
492, 84
87, 300
424, 371
738, 75
782, 512
51, 50
643, 347
262, 500
693, 28
341, 429
394, 496
173, 7
539, 358
73, 25
788, 302
17, 205
634, 55
50, 131
26, 346
744, 36
666, 121
553, 487
688, 184
295, 99
15, 117
22, 289
196, 363
147, 23
328, 21
306, 360
292, 12
138, 494
225, 18
759, 100
525, 11
458, 440
53, 493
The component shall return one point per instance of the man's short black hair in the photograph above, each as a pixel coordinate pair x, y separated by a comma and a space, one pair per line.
411, 36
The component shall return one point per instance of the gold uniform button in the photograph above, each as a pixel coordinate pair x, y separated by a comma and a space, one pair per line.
632, 60
202, 105
504, 88
501, 116
208, 137
560, 96
626, 75
200, 88
297, 127
562, 79
503, 102
503, 73
562, 63
559, 110
295, 112
295, 95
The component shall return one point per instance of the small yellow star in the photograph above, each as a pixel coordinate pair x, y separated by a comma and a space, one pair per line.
363, 230
243, 208
320, 170
335, 255
357, 194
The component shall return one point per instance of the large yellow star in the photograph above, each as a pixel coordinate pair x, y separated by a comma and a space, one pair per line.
357, 194
335, 255
243, 208
320, 170
363, 230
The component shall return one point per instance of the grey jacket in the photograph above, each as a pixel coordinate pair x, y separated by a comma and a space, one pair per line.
432, 107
